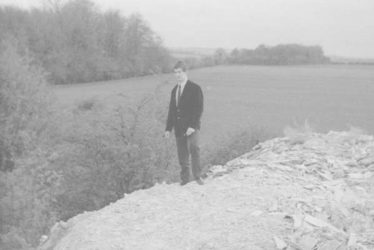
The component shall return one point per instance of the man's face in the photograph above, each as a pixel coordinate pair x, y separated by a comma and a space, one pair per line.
180, 75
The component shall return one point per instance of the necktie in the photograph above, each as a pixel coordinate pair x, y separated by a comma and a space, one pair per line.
179, 94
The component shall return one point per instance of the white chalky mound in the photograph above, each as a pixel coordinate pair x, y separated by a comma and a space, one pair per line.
305, 191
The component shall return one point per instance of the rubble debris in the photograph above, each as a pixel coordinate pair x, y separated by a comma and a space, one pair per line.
342, 164
319, 187
257, 213
280, 244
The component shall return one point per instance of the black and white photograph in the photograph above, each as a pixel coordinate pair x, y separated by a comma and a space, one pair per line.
186, 125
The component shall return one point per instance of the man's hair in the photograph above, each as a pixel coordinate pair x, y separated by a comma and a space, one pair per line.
180, 65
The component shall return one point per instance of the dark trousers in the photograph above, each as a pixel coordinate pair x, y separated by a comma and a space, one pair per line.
189, 146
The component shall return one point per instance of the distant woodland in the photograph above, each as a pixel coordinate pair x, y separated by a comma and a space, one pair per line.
283, 54
75, 42
287, 54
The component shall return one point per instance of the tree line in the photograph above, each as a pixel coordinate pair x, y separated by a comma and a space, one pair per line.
75, 42
283, 54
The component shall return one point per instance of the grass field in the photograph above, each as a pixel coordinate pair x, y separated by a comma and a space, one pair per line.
329, 97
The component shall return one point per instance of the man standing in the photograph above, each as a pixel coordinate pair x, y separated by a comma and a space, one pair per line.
185, 110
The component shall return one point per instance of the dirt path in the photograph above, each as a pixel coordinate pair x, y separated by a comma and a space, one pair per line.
222, 214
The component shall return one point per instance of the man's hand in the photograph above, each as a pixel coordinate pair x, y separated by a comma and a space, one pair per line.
190, 131
167, 134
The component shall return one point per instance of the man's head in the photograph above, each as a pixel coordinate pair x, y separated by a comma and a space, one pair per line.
180, 72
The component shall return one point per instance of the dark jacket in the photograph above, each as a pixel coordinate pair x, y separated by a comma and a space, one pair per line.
189, 110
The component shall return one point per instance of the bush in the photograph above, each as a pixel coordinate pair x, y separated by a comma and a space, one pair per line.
235, 144
88, 104
104, 153
27, 189
84, 159
13, 241
23, 100
298, 134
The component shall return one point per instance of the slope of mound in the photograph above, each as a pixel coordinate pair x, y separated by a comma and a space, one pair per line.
305, 191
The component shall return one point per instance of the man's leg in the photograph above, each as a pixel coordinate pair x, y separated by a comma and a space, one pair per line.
183, 157
194, 148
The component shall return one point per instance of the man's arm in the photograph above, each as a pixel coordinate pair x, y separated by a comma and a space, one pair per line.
197, 108
169, 121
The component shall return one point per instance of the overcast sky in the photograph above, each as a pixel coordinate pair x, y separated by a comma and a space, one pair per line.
341, 27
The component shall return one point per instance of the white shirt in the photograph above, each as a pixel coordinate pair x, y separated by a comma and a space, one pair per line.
182, 85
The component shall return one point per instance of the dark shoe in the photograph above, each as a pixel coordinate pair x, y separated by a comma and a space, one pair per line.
182, 183
199, 181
